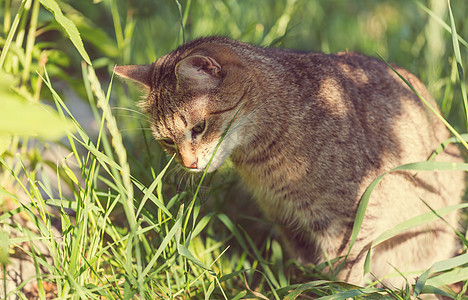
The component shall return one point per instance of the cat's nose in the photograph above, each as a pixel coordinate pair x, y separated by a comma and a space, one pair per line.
194, 165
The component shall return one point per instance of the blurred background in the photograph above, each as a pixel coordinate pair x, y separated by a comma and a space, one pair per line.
411, 34
408, 33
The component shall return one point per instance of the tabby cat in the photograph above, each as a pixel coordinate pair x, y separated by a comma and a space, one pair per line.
308, 133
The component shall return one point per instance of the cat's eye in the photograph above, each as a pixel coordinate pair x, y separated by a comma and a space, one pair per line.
199, 128
168, 142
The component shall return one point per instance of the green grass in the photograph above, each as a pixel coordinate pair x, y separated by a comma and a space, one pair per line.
129, 224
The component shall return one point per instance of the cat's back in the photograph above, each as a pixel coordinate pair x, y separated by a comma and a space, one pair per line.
344, 111
324, 127
340, 83
350, 99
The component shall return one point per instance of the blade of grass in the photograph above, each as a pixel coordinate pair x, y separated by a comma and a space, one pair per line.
233, 229
187, 254
117, 25
433, 110
40, 286
103, 102
354, 293
210, 290
421, 166
445, 143
409, 224
416, 221
441, 22
11, 33
162, 246
461, 73
304, 287
279, 28
68, 26
447, 277
265, 265
181, 18
148, 193
30, 40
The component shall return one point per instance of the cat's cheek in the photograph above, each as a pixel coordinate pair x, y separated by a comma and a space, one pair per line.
233, 140
218, 159
213, 166
216, 163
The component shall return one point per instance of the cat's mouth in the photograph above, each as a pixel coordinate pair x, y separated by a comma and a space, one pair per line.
200, 170
194, 170
213, 166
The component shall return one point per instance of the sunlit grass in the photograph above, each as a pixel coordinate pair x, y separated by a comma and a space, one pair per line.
125, 227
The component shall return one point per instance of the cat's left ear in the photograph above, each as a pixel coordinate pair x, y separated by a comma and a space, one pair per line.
200, 72
141, 74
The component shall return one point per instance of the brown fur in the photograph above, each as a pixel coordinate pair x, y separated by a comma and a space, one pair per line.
312, 132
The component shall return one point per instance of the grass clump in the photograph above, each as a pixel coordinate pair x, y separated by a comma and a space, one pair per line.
99, 212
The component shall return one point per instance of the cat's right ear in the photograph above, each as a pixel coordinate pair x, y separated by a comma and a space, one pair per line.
141, 74
199, 72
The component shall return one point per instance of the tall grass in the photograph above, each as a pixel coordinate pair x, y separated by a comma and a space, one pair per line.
107, 218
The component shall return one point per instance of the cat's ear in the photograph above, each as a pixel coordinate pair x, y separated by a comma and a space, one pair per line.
141, 74
200, 72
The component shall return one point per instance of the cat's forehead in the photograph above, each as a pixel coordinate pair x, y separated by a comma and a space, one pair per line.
194, 105
194, 109
179, 115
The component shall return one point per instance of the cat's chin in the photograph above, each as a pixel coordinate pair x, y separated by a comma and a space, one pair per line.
211, 168
194, 170
197, 170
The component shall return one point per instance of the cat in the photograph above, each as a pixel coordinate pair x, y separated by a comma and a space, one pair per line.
308, 133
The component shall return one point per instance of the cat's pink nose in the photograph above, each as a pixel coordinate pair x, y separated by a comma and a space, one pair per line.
194, 165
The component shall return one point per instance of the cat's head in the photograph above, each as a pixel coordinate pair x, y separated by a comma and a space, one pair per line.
193, 97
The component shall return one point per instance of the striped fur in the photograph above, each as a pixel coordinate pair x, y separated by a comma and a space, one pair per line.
311, 132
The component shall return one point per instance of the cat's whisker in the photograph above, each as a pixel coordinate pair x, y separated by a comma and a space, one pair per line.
243, 121
130, 110
131, 114
183, 178
131, 117
135, 129
179, 183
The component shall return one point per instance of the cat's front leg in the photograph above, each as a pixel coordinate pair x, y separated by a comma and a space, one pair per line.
317, 246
